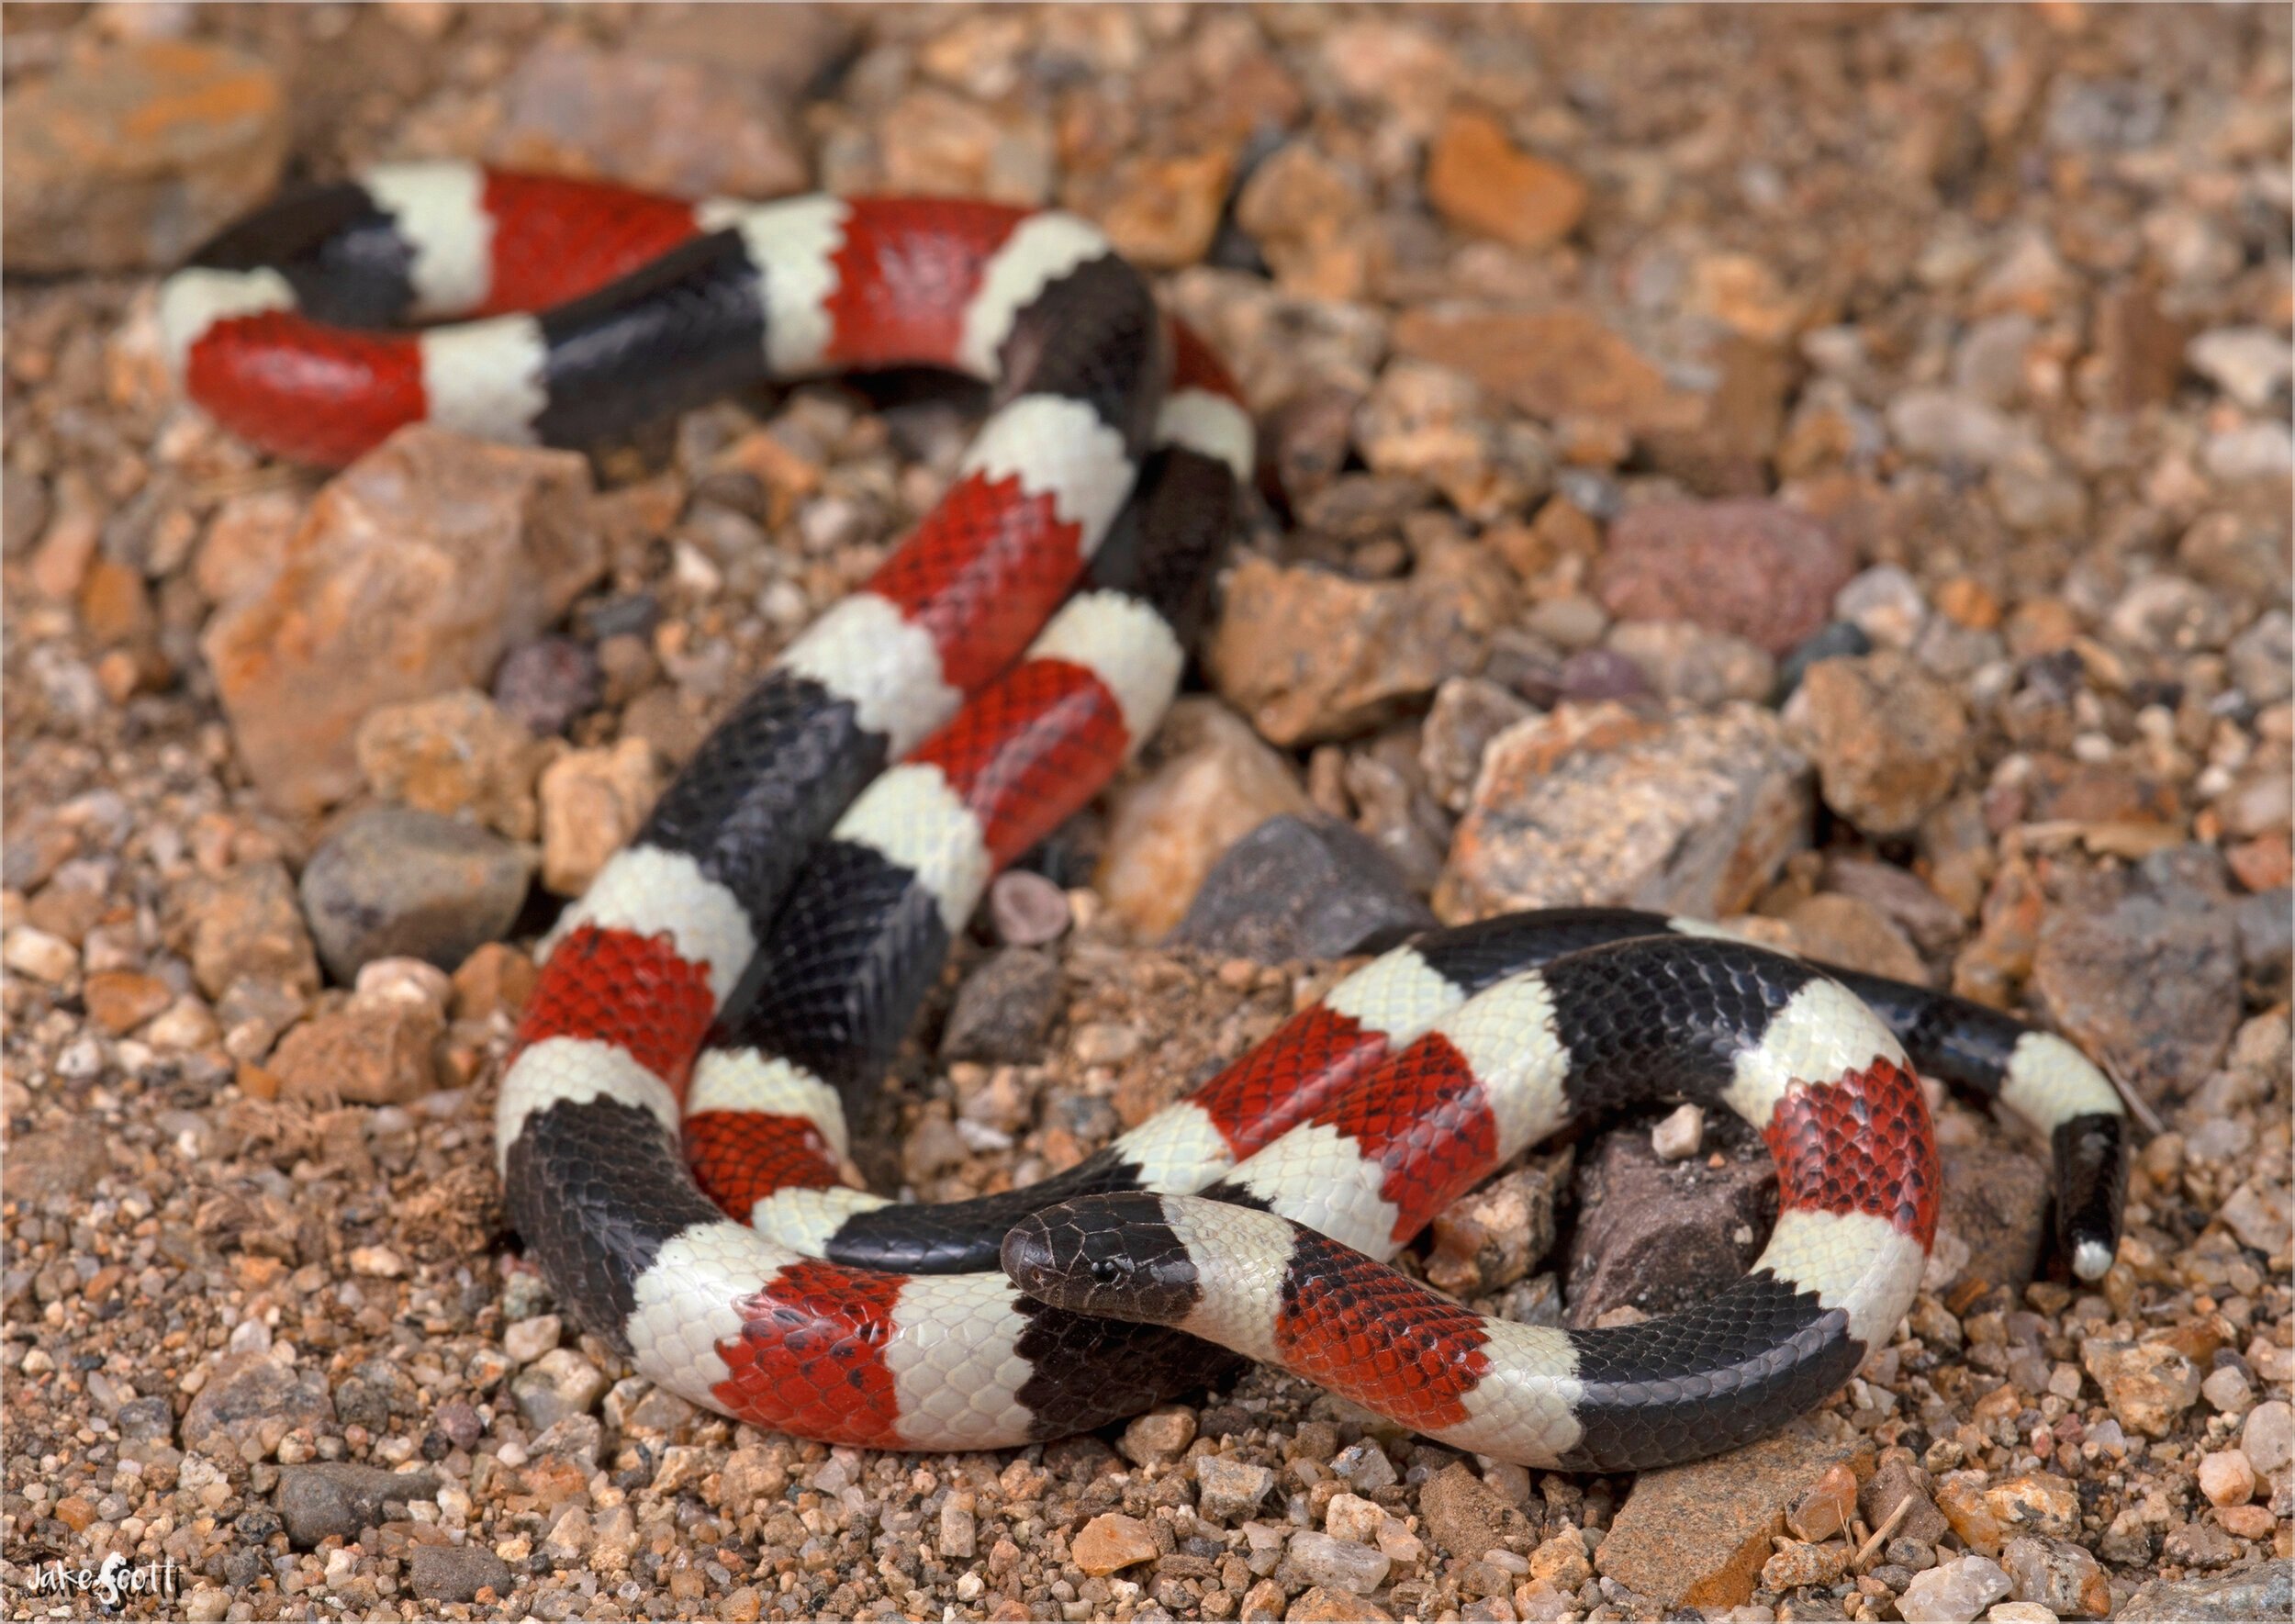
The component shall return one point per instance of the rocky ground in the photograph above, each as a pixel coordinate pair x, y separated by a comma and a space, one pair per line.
1828, 468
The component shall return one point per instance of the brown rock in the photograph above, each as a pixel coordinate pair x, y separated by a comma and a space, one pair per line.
114, 606
131, 155
496, 978
245, 543
2147, 1385
1552, 363
1212, 783
1320, 1604
2148, 987
592, 802
1852, 932
1487, 185
246, 923
252, 1399
1594, 805
1164, 211
451, 752
1112, 1540
1465, 1516
1753, 569
1996, 1205
1696, 1536
120, 1000
1889, 740
1896, 1481
374, 1050
677, 122
2035, 1503
2140, 348
1654, 1235
1308, 655
412, 572
63, 1163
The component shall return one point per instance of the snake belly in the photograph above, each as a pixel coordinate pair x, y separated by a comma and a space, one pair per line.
671, 1125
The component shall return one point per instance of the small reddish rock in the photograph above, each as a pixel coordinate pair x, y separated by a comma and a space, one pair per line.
1754, 569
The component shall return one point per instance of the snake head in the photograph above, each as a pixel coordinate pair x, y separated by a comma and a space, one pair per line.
1113, 1255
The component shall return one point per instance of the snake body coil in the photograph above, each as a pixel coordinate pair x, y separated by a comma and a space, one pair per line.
671, 1123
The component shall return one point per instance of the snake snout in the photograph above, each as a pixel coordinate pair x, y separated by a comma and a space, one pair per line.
1115, 1256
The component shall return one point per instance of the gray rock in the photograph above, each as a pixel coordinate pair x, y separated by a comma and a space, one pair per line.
1340, 1565
2059, 1575
1299, 887
1836, 639
393, 882
2262, 658
251, 1396
1655, 1236
145, 1421
2267, 941
1226, 1489
2149, 986
558, 1384
1004, 1008
457, 1573
546, 683
2264, 1591
339, 1497
1952, 1592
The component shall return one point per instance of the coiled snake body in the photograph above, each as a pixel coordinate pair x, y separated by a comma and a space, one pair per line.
670, 1124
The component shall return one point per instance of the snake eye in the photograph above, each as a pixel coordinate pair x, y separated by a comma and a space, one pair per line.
1106, 1270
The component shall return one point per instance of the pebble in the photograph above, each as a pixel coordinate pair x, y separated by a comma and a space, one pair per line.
1112, 1540
128, 157
1554, 364
1684, 661
1026, 910
392, 882
1799, 1564
1752, 568
2262, 658
1160, 1436
1004, 1008
1886, 604
2147, 1385
2268, 1438
559, 1384
251, 1401
1364, 1465
1679, 1134
1493, 1235
336, 1499
1894, 1481
1594, 805
544, 685
2249, 364
2148, 985
245, 923
371, 1052
1308, 655
40, 956
2228, 1390
1338, 1564
2226, 1477
1467, 713
1889, 740
2057, 1577
1299, 887
526, 1340
1952, 1592
1212, 783
2034, 1502
413, 570
1227, 1489
1835, 640
592, 803
452, 752
1485, 185
1697, 1535
457, 1573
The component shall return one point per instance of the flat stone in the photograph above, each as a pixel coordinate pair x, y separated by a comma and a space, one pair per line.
394, 882
2266, 1590
374, 1050
412, 571
1697, 1535
1300, 887
1596, 805
2149, 987
131, 155
1747, 566
1465, 1516
1004, 1008
457, 1573
1654, 1235
1111, 1542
